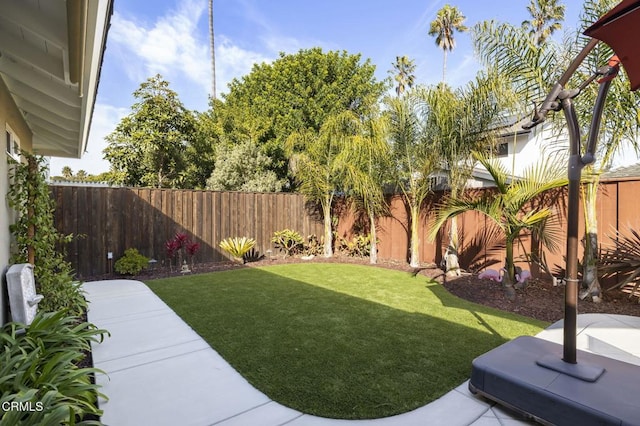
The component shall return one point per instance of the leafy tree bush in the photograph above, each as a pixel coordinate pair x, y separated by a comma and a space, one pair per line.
40, 367
359, 246
295, 92
288, 241
131, 263
38, 242
148, 147
243, 167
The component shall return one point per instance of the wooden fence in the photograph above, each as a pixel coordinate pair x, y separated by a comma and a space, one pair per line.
114, 219
110, 220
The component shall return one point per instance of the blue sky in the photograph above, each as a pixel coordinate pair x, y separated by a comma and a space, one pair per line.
170, 37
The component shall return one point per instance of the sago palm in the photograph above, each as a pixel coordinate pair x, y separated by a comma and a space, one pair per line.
508, 207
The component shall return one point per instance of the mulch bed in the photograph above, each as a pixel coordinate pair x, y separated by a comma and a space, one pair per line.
539, 299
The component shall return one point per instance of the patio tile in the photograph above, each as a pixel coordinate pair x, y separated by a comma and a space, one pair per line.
270, 414
176, 390
143, 335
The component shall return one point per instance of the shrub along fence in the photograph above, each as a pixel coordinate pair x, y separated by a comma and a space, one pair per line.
110, 220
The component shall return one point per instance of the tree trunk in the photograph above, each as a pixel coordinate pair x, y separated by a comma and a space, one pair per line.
590, 284
213, 51
451, 258
414, 260
444, 65
328, 234
509, 278
373, 255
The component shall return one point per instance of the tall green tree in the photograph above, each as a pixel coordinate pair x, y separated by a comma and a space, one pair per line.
296, 93
546, 18
147, 147
458, 123
368, 161
530, 68
318, 163
243, 167
448, 20
403, 74
414, 157
508, 207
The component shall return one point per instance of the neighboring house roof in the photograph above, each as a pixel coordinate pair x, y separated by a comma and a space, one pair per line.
50, 59
514, 125
626, 172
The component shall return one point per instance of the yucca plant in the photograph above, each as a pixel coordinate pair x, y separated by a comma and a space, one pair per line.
623, 259
237, 247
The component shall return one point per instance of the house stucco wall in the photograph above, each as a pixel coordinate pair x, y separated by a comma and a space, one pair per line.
527, 150
9, 115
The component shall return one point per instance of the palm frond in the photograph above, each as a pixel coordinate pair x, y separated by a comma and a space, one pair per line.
497, 171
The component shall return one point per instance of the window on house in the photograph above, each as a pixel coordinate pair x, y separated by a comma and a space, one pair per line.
502, 150
12, 143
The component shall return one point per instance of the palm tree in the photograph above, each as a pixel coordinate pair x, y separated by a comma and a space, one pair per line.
448, 20
546, 18
213, 51
458, 123
318, 162
508, 208
404, 69
415, 160
367, 168
531, 69
67, 173
620, 127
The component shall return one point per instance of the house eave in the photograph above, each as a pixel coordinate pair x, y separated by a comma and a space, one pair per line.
50, 59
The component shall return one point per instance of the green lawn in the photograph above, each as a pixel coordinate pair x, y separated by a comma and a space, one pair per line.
337, 340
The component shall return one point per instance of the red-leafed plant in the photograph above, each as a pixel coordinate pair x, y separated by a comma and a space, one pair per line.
181, 245
192, 248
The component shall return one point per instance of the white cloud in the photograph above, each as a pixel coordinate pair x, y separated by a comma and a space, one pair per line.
232, 61
173, 47
170, 46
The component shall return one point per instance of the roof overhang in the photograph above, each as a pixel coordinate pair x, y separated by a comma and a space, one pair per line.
50, 59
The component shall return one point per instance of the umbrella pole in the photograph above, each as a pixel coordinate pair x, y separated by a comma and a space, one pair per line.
571, 288
576, 163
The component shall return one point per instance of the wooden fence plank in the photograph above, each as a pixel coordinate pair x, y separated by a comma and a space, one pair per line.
114, 219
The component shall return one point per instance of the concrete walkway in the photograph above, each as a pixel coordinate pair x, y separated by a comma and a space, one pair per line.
160, 372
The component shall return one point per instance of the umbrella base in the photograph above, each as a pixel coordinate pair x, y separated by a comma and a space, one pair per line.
528, 375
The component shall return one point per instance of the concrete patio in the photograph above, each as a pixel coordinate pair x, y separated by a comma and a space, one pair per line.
160, 372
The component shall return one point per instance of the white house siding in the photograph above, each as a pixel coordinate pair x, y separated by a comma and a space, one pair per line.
527, 149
